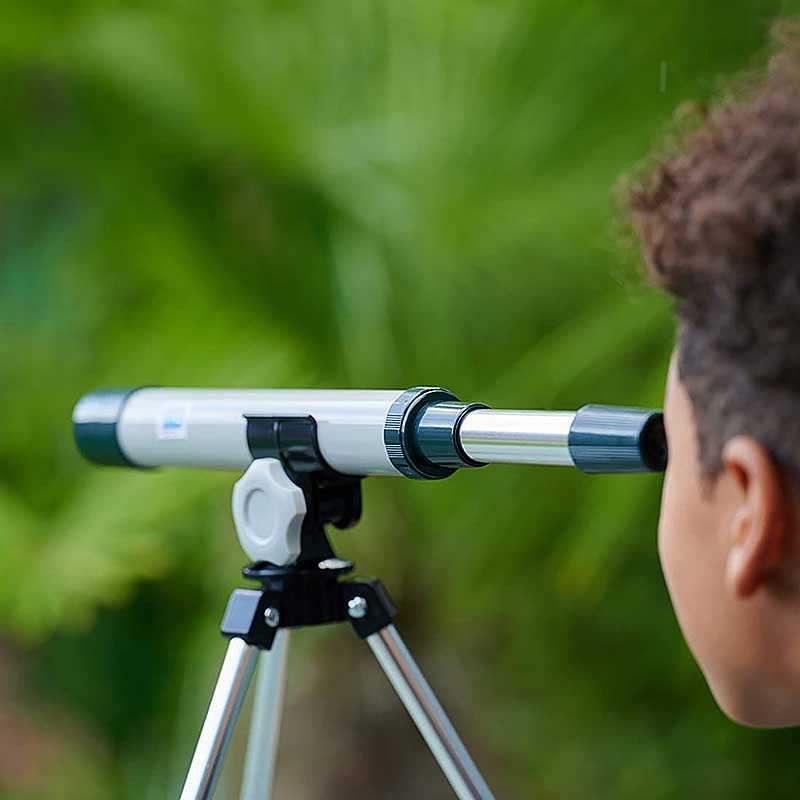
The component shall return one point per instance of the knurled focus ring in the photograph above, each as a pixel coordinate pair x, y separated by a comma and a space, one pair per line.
399, 427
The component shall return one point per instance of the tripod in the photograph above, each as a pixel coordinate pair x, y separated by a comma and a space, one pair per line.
281, 506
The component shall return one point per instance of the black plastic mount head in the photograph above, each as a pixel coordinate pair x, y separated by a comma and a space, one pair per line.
331, 498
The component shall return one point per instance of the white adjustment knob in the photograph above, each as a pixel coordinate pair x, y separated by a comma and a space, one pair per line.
268, 510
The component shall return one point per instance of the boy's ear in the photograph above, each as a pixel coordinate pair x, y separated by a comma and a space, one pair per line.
760, 519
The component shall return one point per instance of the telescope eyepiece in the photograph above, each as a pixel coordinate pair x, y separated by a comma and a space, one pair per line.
612, 439
653, 443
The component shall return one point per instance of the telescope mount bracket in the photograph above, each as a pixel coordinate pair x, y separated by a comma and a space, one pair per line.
289, 493
281, 506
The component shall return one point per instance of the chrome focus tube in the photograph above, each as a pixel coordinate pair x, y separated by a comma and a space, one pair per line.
518, 437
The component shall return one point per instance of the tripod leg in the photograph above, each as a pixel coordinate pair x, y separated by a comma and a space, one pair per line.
234, 678
421, 703
262, 748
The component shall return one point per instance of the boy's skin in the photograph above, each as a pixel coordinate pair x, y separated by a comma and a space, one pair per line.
730, 550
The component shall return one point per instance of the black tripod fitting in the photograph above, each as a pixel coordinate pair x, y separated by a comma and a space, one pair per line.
296, 597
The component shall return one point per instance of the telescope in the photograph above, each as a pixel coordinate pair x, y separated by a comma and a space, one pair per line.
304, 454
423, 433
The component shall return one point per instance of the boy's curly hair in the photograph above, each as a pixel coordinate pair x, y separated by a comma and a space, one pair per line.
719, 222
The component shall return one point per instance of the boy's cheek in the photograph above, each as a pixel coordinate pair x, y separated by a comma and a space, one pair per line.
668, 548
693, 570
683, 546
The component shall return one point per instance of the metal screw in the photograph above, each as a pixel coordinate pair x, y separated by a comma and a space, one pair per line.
357, 608
334, 563
272, 616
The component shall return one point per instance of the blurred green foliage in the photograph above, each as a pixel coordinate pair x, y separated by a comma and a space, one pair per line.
351, 194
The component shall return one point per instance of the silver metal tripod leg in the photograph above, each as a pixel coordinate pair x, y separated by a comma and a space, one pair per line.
421, 703
226, 702
262, 747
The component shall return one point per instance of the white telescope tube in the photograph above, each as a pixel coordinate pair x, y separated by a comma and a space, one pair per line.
425, 432
208, 427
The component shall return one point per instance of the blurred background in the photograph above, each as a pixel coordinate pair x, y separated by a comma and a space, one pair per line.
351, 194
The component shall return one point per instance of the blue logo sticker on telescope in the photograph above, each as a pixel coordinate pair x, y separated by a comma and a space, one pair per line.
173, 423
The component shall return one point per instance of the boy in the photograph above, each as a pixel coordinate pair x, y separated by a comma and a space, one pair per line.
719, 222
